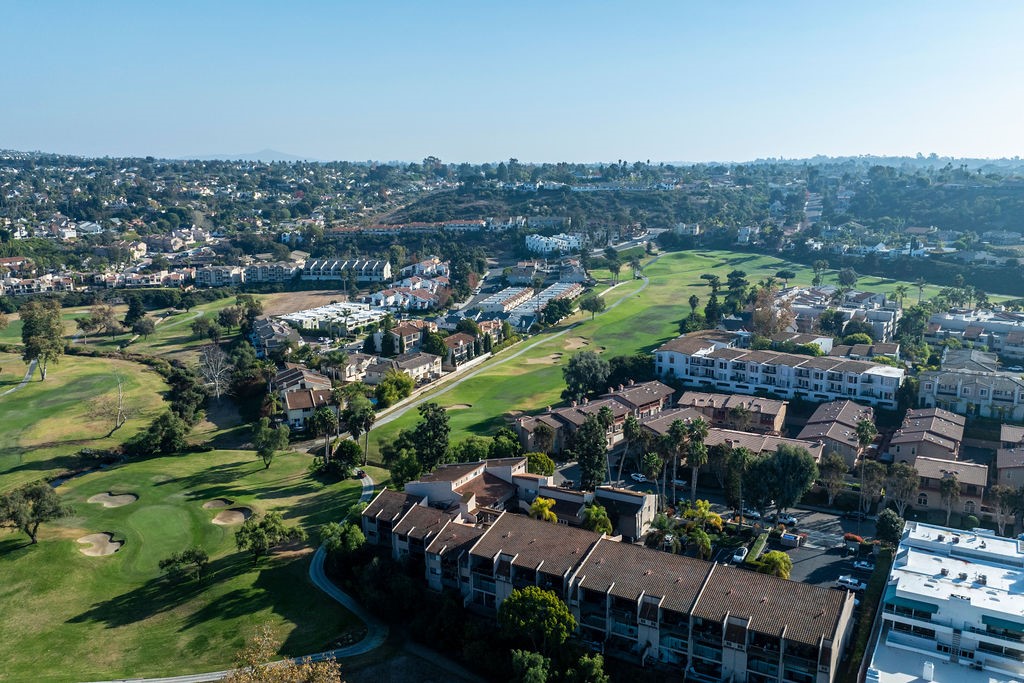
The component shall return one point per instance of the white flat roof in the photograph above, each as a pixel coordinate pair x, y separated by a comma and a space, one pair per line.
895, 665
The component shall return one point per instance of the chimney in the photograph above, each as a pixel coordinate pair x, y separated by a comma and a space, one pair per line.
574, 404
632, 382
611, 390
621, 387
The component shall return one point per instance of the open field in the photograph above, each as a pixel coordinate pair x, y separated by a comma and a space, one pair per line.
68, 616
43, 424
639, 324
288, 302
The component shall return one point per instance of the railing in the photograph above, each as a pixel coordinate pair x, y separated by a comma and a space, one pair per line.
620, 629
990, 634
763, 667
674, 643
706, 652
483, 583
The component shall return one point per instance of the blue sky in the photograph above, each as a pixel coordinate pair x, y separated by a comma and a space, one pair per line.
539, 81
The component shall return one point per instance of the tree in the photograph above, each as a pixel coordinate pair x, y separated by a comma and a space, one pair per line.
694, 301
696, 451
540, 509
592, 303
901, 486
144, 327
431, 436
785, 275
589, 669
586, 373
346, 455
590, 445
261, 534
433, 342
831, 322
632, 433
949, 490
30, 506
105, 319
529, 667
771, 316
664, 534
252, 664
359, 416
165, 435
230, 316
543, 438
342, 540
267, 440
889, 527
737, 461
104, 406
848, 277
136, 311
470, 449
776, 563
42, 333
540, 463
833, 475
395, 386
872, 480
700, 539
216, 370
866, 433
595, 518
791, 473
188, 564
1006, 501
536, 614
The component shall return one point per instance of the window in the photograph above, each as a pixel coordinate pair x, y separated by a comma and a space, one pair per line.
969, 507
922, 499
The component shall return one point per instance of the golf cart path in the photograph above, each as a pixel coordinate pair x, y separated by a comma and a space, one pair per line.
24, 381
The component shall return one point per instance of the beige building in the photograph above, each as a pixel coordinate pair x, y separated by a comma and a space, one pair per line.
734, 411
835, 425
929, 432
973, 480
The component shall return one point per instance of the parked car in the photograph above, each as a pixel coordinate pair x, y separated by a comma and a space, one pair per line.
864, 565
850, 583
785, 518
637, 477
856, 514
680, 484
740, 554
360, 474
750, 513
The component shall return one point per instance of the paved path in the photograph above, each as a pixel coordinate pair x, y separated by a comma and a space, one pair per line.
24, 381
376, 632
430, 396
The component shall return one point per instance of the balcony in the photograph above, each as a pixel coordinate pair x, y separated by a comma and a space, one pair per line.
996, 634
762, 667
714, 654
674, 643
594, 620
483, 583
621, 629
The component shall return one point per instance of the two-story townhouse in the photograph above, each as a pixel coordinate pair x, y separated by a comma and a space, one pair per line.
971, 477
835, 425
732, 411
931, 432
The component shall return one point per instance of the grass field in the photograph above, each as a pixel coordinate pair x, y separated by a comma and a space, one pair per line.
43, 424
641, 322
67, 616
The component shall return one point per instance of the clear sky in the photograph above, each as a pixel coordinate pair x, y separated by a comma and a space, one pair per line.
539, 81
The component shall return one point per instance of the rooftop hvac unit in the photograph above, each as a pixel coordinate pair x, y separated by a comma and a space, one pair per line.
982, 579
928, 671
945, 571
963, 576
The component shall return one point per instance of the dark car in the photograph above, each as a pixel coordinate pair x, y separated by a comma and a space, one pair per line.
855, 514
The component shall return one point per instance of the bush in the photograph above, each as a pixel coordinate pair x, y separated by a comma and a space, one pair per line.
757, 548
970, 522
852, 538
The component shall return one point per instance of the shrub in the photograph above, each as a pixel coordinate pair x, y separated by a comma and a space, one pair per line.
757, 548
971, 522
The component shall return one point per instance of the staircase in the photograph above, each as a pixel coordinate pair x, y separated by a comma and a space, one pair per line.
954, 648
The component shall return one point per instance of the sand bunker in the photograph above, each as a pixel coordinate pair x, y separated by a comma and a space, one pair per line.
544, 360
232, 516
99, 544
576, 343
459, 406
110, 500
216, 503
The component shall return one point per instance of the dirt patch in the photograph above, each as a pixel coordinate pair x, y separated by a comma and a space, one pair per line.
99, 544
576, 343
289, 302
111, 500
216, 504
550, 359
232, 516
459, 406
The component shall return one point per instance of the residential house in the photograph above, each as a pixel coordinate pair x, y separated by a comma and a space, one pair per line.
269, 335
733, 411
835, 426
421, 367
930, 432
297, 378
461, 348
758, 444
299, 405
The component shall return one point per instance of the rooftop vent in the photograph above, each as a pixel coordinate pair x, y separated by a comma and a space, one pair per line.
945, 571
963, 576
983, 579
942, 538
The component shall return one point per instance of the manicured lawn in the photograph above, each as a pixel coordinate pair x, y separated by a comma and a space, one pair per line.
68, 616
43, 424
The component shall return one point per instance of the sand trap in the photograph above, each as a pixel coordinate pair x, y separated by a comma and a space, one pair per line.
576, 343
110, 500
459, 406
232, 516
216, 504
544, 360
99, 544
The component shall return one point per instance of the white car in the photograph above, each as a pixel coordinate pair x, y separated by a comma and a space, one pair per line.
788, 520
850, 583
637, 477
750, 513
680, 484
740, 555
864, 566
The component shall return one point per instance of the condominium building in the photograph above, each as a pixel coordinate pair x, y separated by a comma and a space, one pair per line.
1000, 330
873, 309
695, 360
931, 432
998, 395
731, 411
363, 271
952, 609
835, 425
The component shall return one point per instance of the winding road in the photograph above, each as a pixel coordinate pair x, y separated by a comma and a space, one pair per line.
376, 631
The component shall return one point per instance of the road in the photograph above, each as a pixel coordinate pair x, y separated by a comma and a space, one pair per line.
24, 381
376, 632
430, 396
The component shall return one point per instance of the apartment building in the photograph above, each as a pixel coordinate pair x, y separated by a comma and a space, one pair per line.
1010, 456
931, 432
952, 609
874, 309
696, 619
219, 276
835, 425
281, 271
1000, 330
505, 300
696, 360
996, 395
421, 367
556, 244
732, 411
972, 478
758, 444
363, 271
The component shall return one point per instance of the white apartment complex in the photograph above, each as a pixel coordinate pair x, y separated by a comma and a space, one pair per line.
874, 309
699, 360
952, 609
362, 270
1000, 330
556, 244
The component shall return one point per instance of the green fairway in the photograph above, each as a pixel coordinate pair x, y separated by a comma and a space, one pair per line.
68, 616
640, 323
44, 424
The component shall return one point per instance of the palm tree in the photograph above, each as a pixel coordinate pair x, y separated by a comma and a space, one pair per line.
664, 534
652, 466
677, 440
696, 451
632, 432
949, 490
900, 293
920, 283
595, 518
541, 509
694, 301
607, 418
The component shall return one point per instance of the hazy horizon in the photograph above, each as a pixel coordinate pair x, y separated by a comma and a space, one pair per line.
572, 81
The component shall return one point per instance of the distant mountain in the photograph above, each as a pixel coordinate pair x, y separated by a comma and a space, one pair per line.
265, 155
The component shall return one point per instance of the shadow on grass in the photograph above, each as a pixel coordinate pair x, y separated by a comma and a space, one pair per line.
14, 542
57, 462
160, 595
